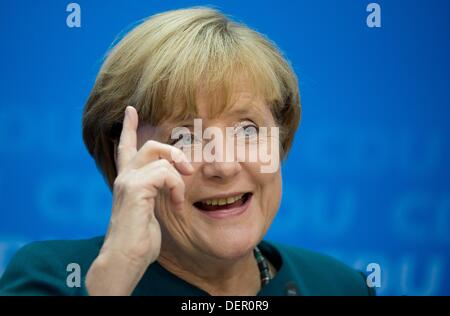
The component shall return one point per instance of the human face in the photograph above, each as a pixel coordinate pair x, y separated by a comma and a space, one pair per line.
225, 232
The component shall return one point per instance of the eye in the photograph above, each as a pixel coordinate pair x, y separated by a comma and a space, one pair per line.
246, 129
184, 140
250, 130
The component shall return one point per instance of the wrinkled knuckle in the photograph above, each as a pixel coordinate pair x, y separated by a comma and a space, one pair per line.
164, 170
121, 183
150, 143
165, 164
176, 154
118, 181
121, 148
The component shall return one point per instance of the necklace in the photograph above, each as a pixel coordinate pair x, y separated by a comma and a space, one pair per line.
263, 266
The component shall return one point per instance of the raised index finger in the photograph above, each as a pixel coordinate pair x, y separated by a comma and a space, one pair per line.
127, 147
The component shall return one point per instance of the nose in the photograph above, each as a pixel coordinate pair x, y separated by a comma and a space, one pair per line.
220, 167
221, 170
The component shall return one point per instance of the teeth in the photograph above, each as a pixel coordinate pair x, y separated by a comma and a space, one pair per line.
225, 201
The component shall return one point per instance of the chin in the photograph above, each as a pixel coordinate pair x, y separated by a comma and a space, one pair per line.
233, 243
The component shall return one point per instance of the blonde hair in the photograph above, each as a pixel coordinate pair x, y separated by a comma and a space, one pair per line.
159, 65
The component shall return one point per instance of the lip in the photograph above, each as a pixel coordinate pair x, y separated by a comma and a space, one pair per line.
223, 196
235, 211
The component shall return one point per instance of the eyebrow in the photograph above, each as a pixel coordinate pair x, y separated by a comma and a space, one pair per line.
245, 111
236, 111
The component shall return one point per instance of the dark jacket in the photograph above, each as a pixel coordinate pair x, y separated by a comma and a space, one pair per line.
40, 268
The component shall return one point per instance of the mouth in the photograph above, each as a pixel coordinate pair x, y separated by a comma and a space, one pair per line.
224, 206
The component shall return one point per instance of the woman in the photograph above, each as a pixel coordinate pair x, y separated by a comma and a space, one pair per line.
180, 225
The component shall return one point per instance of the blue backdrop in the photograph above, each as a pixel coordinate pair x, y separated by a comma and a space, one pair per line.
367, 179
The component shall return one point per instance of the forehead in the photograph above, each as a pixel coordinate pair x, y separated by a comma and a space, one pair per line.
233, 94
241, 104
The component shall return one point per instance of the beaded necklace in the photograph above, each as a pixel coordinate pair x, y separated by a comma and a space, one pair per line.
263, 266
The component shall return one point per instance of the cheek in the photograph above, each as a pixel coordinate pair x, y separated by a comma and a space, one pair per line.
269, 185
272, 188
189, 184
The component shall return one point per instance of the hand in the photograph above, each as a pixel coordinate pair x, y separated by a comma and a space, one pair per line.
133, 240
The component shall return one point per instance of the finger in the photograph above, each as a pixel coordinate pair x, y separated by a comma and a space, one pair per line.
161, 174
126, 149
153, 150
